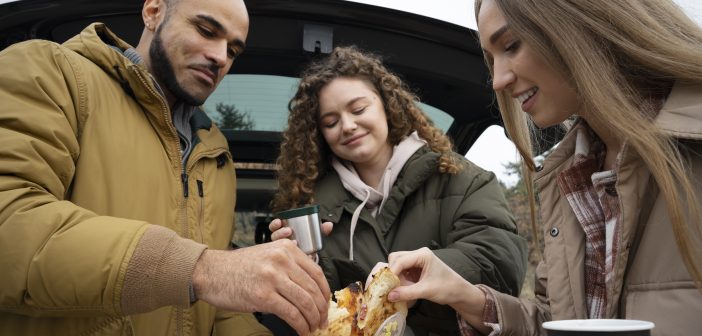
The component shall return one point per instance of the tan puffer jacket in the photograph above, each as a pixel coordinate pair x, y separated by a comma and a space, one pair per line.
98, 235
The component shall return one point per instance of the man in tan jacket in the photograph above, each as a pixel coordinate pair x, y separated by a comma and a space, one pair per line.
116, 191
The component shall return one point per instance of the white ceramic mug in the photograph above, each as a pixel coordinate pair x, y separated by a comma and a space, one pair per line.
600, 327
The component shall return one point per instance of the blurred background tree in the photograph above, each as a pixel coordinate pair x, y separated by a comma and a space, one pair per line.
231, 118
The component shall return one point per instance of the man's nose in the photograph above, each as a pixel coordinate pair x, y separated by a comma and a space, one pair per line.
218, 54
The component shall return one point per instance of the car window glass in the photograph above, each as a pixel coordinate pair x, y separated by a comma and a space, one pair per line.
260, 102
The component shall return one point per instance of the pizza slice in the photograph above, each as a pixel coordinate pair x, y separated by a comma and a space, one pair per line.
376, 308
360, 313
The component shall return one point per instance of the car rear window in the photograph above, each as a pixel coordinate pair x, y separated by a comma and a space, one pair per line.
260, 103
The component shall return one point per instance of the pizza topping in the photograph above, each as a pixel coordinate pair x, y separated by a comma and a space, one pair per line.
363, 312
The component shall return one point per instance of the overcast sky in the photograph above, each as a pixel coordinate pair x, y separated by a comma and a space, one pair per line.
492, 150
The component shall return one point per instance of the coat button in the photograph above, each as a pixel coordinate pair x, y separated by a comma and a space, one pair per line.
554, 231
611, 190
539, 168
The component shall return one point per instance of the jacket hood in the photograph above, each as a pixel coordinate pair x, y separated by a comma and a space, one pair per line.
93, 43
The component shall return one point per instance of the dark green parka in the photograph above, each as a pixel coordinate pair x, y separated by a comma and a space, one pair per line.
462, 217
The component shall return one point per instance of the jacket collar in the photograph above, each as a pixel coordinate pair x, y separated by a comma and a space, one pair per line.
681, 115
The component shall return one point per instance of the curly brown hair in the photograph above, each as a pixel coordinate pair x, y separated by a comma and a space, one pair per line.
304, 154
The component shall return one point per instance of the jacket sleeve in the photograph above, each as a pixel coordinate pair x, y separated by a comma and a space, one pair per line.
481, 242
59, 259
243, 324
521, 316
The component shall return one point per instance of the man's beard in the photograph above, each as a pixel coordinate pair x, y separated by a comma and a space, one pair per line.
164, 74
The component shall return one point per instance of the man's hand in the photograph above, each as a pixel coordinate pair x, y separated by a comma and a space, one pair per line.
274, 278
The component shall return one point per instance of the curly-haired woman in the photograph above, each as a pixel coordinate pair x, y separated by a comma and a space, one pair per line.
358, 145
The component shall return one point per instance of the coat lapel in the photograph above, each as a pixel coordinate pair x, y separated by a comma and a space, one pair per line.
563, 235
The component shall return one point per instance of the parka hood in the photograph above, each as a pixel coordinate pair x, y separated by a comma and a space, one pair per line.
90, 43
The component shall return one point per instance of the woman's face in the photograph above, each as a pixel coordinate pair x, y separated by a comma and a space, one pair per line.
353, 122
521, 73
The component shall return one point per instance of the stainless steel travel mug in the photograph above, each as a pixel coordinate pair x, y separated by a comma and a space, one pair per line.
305, 226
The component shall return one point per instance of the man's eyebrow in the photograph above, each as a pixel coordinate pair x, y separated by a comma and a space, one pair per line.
218, 26
496, 35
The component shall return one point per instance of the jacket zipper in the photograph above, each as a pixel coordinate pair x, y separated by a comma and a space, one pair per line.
184, 218
179, 323
201, 217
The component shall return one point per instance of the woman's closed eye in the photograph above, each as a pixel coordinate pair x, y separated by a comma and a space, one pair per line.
359, 110
329, 122
513, 46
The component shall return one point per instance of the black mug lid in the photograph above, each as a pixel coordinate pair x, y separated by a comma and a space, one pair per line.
304, 211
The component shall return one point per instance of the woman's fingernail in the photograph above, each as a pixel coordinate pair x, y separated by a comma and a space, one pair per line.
393, 296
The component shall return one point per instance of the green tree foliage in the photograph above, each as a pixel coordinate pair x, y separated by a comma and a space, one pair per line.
231, 118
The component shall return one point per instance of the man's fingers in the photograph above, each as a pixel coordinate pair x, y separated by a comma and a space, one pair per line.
327, 228
322, 293
290, 314
304, 301
308, 276
315, 272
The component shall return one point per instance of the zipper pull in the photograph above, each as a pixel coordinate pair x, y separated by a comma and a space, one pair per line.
184, 178
199, 188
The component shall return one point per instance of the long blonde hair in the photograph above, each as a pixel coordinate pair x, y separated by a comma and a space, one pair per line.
618, 55
304, 154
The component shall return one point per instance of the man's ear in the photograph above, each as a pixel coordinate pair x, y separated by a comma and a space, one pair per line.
153, 13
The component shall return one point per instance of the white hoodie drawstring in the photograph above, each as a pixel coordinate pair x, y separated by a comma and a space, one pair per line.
354, 220
385, 188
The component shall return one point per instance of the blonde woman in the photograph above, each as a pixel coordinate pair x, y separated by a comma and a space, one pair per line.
619, 198
358, 145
